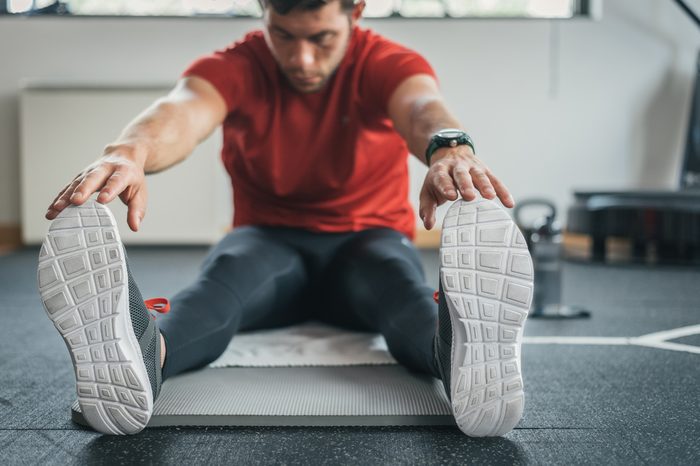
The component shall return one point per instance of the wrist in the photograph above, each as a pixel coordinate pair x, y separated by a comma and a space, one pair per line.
133, 151
447, 152
450, 139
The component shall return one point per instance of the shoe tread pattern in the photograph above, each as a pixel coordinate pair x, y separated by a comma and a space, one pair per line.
82, 280
487, 276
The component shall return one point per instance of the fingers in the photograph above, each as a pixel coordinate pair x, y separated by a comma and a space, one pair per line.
111, 178
463, 180
482, 183
438, 188
78, 191
427, 208
59, 195
501, 191
443, 184
51, 210
135, 198
114, 186
91, 183
445, 180
467, 176
62, 200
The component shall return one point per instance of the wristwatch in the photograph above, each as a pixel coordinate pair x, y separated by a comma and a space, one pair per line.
448, 137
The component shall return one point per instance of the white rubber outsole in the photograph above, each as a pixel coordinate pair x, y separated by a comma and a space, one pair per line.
83, 282
487, 277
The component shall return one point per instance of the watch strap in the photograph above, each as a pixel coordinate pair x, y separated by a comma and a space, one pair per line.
437, 142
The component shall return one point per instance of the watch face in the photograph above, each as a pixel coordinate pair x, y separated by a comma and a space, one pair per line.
450, 133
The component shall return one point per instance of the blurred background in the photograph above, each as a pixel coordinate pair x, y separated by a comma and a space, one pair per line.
558, 95
588, 110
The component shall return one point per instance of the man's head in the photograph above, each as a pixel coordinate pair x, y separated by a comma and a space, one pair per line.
308, 38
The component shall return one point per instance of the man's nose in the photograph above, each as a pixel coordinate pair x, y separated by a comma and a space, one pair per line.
302, 55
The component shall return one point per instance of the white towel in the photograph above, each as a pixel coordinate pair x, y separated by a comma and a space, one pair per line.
309, 344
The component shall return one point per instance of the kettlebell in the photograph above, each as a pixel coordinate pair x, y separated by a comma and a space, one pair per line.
544, 240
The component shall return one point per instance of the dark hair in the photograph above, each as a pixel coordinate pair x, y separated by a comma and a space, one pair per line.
283, 7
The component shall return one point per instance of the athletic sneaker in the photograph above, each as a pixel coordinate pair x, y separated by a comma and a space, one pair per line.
89, 294
486, 286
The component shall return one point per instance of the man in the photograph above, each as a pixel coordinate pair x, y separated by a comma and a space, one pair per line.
318, 118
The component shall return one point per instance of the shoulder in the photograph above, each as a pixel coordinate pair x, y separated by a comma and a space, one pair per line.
235, 70
374, 47
247, 57
251, 48
383, 64
252, 42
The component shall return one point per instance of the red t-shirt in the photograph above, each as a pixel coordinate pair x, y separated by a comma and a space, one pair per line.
328, 161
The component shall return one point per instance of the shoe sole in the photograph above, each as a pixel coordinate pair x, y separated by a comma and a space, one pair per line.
83, 282
487, 277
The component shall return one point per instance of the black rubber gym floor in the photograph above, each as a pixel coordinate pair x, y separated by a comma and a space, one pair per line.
585, 404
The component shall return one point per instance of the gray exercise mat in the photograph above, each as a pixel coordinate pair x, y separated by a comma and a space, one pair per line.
299, 396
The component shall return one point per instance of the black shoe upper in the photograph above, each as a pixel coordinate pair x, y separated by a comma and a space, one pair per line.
443, 342
147, 334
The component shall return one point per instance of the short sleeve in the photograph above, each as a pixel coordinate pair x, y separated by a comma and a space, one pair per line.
388, 65
226, 71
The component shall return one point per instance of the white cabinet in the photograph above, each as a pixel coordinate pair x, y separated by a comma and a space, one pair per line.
65, 128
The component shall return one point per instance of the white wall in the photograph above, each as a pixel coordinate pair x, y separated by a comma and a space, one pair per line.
551, 105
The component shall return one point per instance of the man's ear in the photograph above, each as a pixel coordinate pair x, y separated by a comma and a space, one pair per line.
357, 11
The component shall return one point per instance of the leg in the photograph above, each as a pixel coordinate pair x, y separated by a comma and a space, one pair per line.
248, 281
376, 283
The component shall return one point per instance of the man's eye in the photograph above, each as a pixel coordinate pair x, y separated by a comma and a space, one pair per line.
322, 40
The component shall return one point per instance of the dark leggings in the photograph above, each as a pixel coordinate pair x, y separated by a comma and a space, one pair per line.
267, 277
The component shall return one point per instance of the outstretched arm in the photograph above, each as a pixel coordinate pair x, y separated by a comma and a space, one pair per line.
418, 111
160, 137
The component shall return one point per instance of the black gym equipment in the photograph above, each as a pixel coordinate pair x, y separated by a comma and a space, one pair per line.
544, 240
659, 226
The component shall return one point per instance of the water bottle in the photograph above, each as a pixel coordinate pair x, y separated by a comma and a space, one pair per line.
544, 240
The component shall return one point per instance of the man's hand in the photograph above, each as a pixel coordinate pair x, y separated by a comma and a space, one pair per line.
161, 136
453, 171
417, 110
120, 172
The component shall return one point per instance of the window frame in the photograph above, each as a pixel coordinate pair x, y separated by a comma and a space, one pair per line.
583, 9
